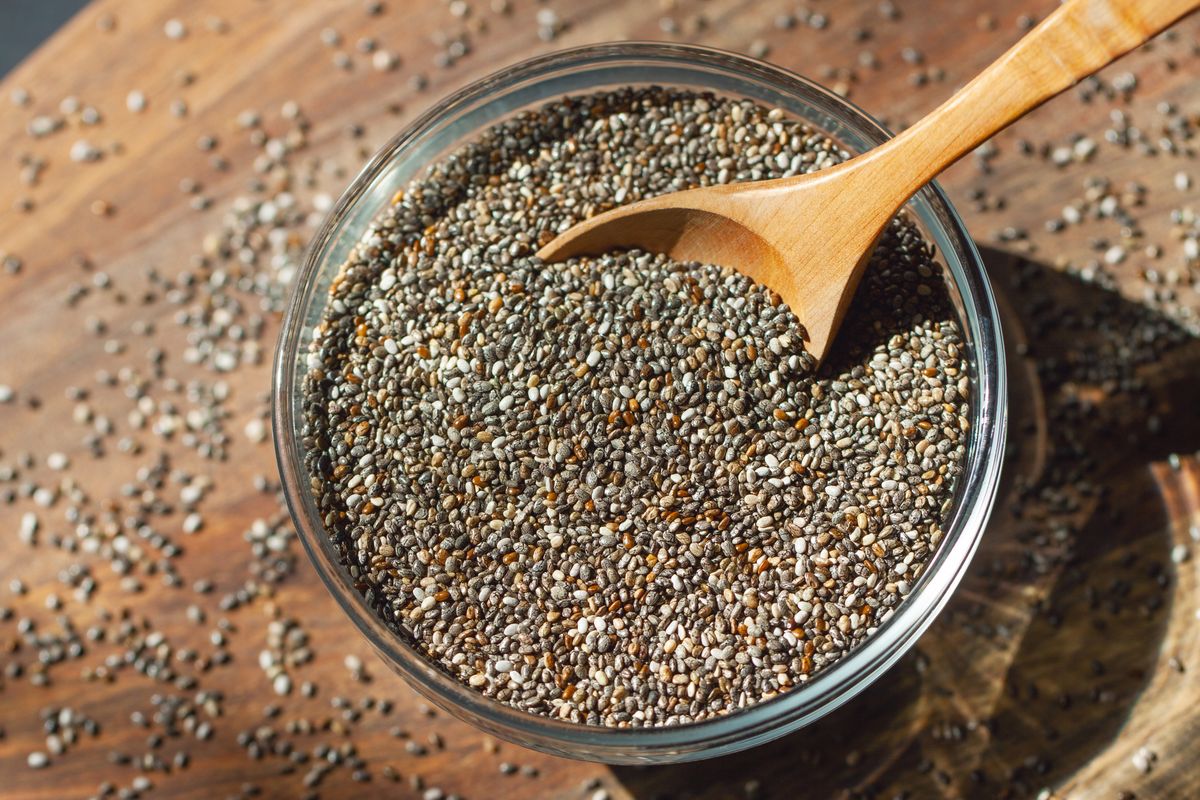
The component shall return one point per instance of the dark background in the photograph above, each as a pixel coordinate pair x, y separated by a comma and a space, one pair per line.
25, 23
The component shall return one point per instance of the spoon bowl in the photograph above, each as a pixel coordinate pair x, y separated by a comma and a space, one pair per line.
763, 230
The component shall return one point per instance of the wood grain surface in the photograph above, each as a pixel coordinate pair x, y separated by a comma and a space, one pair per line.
1067, 659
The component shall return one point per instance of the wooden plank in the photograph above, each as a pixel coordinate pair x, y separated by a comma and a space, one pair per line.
999, 701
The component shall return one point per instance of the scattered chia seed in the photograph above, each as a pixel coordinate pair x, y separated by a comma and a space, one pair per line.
83, 150
175, 29
1144, 760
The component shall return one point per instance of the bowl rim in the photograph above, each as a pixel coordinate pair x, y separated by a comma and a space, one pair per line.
740, 728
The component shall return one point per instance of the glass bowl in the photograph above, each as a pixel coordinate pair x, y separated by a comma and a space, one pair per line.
460, 118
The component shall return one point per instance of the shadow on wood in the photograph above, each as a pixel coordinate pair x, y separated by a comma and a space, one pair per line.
1047, 646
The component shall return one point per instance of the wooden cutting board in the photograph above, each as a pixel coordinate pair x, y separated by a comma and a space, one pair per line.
1068, 657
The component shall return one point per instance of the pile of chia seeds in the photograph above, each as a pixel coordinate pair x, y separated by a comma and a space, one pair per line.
616, 491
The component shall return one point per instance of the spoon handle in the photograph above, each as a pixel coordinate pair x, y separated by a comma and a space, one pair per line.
1077, 39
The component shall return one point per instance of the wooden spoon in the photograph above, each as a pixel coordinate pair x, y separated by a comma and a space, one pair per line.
808, 237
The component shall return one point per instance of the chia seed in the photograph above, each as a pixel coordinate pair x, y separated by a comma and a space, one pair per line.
615, 491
